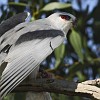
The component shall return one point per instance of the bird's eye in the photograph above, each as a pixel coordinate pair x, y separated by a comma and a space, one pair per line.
65, 17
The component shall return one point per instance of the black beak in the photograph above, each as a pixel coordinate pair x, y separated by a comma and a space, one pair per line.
74, 22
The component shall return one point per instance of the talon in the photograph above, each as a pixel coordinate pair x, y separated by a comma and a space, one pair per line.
43, 74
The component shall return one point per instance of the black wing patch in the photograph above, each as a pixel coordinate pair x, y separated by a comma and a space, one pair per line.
39, 34
12, 22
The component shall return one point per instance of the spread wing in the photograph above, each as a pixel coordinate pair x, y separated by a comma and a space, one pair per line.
30, 45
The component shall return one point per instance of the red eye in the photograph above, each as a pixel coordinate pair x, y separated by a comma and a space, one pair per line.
65, 17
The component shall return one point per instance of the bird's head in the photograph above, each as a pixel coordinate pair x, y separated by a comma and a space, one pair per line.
63, 21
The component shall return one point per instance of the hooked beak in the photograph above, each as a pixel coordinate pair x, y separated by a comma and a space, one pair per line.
74, 22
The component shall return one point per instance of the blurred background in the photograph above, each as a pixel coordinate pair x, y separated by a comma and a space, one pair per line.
78, 58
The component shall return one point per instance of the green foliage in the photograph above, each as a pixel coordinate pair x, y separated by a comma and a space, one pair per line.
17, 4
55, 5
76, 56
76, 42
59, 54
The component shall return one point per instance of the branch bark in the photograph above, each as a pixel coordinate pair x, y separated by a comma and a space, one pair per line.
85, 89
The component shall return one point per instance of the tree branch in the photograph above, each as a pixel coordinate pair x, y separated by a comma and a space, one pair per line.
85, 89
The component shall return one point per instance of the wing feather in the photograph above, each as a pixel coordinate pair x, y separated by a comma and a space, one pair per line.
9, 39
18, 77
15, 70
23, 65
24, 57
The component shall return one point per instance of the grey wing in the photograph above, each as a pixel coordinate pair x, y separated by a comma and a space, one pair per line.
7, 41
7, 31
23, 59
30, 44
18, 68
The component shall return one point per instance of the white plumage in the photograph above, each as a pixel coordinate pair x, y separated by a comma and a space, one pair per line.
26, 45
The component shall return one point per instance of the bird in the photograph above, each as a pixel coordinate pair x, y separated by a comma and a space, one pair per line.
25, 45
